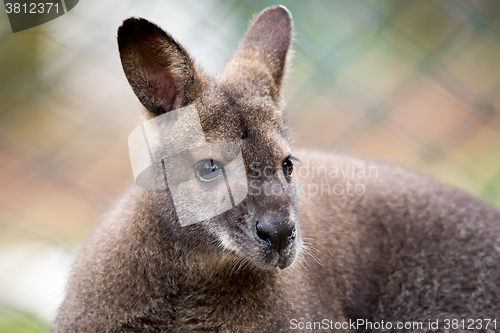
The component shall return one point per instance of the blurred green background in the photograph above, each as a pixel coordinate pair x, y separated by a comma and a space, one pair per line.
410, 81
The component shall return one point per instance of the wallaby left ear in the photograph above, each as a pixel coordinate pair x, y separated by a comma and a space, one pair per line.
266, 44
160, 71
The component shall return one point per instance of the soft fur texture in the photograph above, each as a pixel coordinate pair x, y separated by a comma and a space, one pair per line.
407, 249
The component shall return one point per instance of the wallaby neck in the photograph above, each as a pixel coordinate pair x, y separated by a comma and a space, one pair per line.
187, 261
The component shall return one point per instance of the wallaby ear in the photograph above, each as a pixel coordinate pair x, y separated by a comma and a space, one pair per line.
266, 44
160, 71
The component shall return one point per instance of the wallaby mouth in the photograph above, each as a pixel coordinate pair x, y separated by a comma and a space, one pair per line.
276, 237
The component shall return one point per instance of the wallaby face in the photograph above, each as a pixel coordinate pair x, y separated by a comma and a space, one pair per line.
243, 106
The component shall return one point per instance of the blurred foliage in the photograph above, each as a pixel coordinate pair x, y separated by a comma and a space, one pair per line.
12, 321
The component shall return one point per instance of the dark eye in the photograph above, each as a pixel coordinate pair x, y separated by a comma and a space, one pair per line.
208, 170
288, 167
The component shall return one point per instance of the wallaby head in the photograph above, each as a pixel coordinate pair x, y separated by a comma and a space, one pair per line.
243, 106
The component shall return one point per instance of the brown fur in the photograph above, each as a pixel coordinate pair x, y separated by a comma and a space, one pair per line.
409, 248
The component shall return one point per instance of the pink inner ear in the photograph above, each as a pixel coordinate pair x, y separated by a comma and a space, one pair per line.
163, 89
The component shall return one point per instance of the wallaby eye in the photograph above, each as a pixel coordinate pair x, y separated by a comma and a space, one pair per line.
208, 170
288, 167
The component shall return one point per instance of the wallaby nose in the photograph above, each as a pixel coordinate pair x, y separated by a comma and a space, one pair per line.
275, 232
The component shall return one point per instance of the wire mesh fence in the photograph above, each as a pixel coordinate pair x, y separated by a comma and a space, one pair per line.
410, 81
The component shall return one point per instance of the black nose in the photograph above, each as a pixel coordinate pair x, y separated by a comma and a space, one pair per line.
275, 232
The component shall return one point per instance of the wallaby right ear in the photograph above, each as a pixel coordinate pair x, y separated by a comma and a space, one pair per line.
160, 71
265, 47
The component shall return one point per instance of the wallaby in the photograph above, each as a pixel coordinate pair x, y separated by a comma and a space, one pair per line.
380, 249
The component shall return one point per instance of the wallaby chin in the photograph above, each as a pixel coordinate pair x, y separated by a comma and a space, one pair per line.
228, 229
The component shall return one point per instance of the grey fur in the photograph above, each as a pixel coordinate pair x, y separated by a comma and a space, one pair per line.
407, 249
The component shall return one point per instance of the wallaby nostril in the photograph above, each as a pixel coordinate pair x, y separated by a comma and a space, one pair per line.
262, 231
293, 234
263, 236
